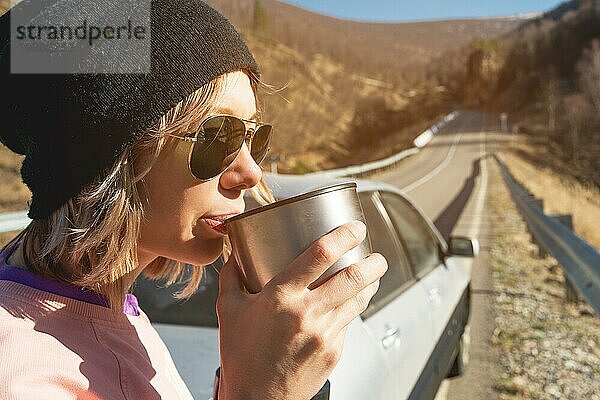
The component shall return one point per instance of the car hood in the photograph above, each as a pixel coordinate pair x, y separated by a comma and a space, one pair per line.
195, 351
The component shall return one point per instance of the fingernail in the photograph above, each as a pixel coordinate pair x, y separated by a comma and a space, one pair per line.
359, 227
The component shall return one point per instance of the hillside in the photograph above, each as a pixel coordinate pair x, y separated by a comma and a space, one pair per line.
546, 75
386, 51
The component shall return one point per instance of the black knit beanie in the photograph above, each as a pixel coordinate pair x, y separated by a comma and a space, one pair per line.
72, 127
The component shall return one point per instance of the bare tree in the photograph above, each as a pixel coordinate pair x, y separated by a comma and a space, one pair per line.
577, 112
588, 68
260, 23
551, 93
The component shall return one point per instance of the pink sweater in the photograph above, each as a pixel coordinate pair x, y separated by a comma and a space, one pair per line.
55, 347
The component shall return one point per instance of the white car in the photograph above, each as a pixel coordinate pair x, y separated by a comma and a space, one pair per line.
402, 346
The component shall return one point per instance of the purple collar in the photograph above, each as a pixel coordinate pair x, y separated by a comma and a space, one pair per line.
19, 275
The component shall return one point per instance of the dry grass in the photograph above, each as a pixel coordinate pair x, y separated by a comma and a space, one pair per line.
548, 348
562, 194
14, 194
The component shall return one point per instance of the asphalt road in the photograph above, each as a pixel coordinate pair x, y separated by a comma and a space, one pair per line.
448, 180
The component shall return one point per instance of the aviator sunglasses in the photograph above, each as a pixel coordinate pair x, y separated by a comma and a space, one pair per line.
218, 141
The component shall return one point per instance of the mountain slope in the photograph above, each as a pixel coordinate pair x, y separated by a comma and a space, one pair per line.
546, 74
379, 50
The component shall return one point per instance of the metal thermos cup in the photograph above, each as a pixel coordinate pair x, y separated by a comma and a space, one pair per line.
265, 240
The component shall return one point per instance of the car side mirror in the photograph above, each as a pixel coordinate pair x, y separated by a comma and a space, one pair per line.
463, 246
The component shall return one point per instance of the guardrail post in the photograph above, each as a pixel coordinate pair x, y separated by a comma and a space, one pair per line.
571, 295
565, 219
539, 203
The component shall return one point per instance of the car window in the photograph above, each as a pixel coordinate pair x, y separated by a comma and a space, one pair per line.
384, 241
158, 302
417, 238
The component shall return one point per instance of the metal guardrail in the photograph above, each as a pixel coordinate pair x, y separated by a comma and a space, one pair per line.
368, 167
427, 135
18, 220
579, 260
421, 140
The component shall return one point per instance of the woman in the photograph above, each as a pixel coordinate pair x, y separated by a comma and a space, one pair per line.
130, 174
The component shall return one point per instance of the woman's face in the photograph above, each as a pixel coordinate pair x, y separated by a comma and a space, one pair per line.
174, 225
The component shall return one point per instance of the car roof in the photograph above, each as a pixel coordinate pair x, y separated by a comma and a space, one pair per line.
284, 186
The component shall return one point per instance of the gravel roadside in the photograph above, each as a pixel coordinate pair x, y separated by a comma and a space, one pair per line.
548, 349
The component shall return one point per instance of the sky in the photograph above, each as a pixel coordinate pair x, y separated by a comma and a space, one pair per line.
415, 10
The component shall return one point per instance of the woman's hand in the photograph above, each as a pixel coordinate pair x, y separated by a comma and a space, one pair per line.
283, 342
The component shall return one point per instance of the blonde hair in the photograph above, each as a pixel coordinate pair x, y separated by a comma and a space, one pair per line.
91, 240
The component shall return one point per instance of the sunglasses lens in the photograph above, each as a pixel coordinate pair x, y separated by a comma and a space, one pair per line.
260, 143
219, 141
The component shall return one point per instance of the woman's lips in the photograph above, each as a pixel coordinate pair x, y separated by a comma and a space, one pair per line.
216, 222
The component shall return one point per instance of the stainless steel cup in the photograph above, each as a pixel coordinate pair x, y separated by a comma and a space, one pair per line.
267, 239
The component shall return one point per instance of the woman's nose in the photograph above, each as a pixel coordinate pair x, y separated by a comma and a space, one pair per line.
243, 173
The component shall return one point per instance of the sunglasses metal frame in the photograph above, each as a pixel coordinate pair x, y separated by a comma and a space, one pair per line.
248, 136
